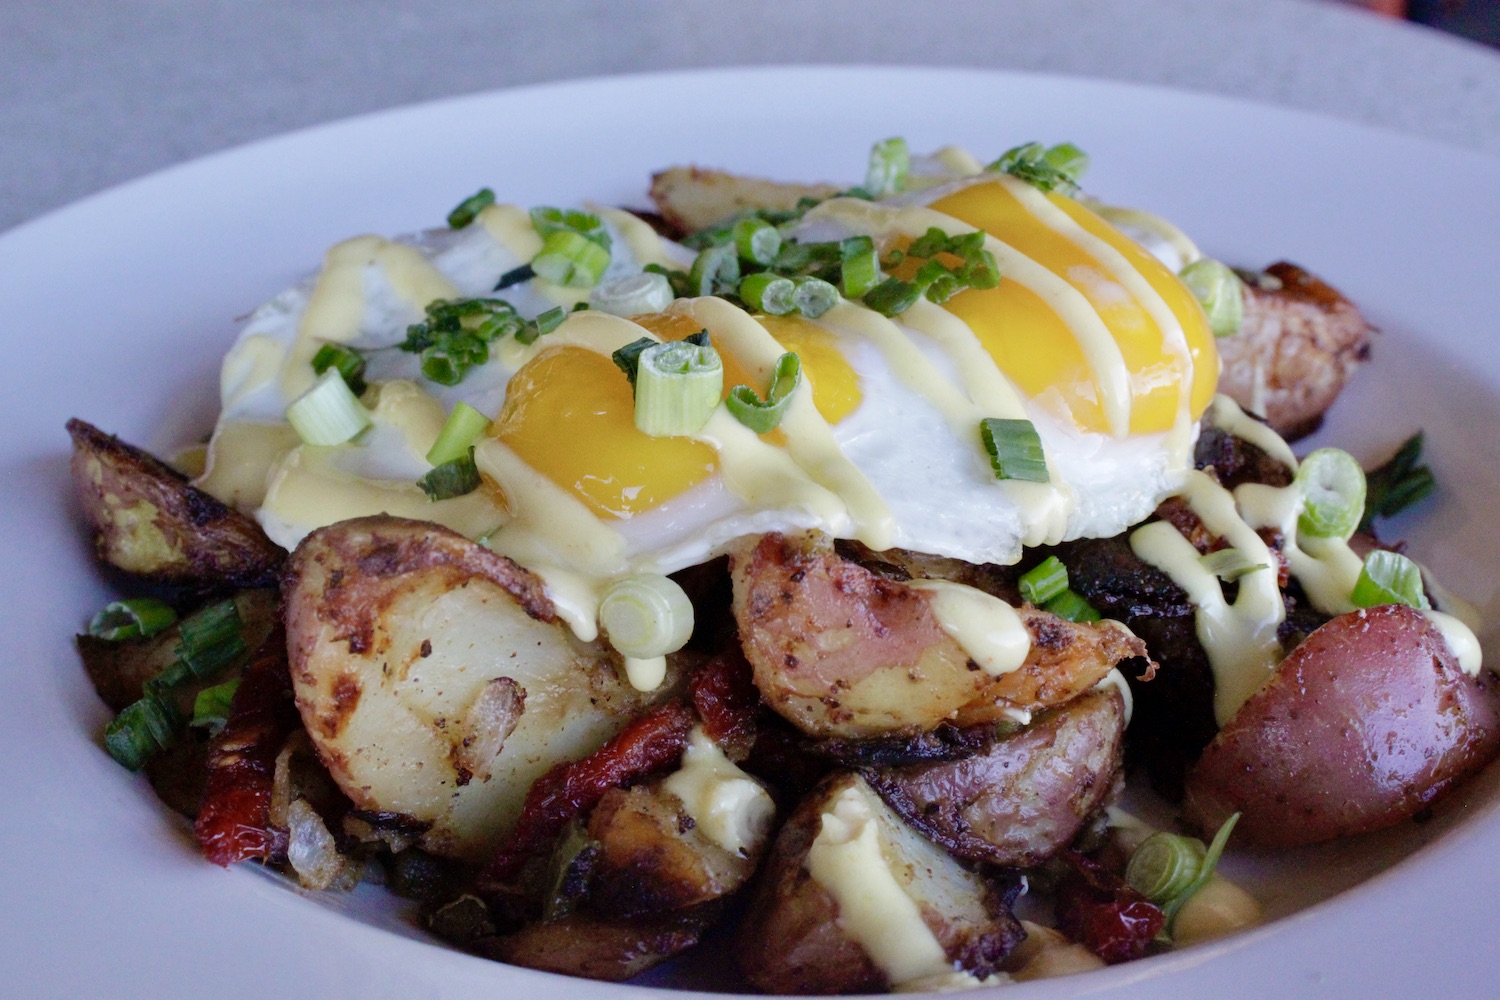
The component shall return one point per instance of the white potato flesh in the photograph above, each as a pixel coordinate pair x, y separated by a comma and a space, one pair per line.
396, 629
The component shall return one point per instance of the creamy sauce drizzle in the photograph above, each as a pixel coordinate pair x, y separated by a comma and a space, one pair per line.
727, 806
990, 631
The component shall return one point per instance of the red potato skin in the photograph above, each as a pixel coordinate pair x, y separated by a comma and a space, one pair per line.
1367, 722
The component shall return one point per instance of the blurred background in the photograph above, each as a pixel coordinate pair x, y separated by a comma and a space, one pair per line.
1475, 19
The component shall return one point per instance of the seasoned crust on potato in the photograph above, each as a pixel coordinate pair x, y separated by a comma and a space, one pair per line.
152, 523
792, 939
841, 651
1368, 721
1299, 342
412, 646
1026, 796
693, 198
594, 948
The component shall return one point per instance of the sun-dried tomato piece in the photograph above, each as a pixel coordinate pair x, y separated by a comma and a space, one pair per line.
1097, 909
726, 699
648, 744
234, 823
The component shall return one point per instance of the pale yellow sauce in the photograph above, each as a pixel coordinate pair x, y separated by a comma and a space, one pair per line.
726, 805
987, 629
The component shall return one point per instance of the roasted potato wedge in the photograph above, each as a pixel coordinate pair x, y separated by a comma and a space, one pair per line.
692, 198
611, 950
796, 938
1367, 721
412, 647
1024, 798
1298, 344
843, 652
152, 523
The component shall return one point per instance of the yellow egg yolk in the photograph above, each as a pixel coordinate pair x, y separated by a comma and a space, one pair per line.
835, 386
1035, 345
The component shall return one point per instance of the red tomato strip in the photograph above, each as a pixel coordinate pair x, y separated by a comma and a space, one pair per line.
1097, 909
234, 823
725, 697
648, 744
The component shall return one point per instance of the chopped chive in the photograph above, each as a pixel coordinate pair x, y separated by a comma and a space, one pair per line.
1165, 865
1071, 605
628, 358
141, 730
677, 388
1015, 449
211, 707
328, 413
1205, 870
542, 325
132, 618
463, 427
892, 297
453, 478
767, 292
570, 259
762, 415
468, 210
515, 276
348, 362
1055, 168
756, 240
1389, 578
548, 222
646, 616
211, 639
1230, 564
1045, 581
859, 266
889, 162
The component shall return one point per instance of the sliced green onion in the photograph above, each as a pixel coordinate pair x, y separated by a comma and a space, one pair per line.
570, 259
677, 388
646, 616
762, 415
463, 427
468, 209
628, 358
211, 707
1205, 869
1230, 564
515, 276
454, 478
548, 221
1068, 160
632, 295
133, 618
859, 266
211, 639
1219, 291
349, 363
889, 163
1333, 494
767, 292
328, 413
141, 730
1165, 865
1015, 449
1397, 484
756, 240
699, 339
715, 270
1071, 605
1057, 167
1044, 581
813, 297
542, 325
1389, 578
892, 297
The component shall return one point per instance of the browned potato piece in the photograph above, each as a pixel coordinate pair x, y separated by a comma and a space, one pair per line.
436, 680
795, 938
150, 522
841, 651
611, 950
1025, 797
1299, 343
692, 198
1365, 723
653, 857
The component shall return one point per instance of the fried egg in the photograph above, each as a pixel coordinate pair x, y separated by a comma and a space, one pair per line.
1087, 336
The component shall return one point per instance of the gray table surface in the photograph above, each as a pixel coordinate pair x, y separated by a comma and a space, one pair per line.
95, 92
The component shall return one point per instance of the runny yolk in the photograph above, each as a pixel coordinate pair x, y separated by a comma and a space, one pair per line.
835, 386
570, 414
1035, 345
